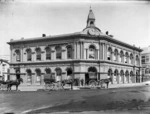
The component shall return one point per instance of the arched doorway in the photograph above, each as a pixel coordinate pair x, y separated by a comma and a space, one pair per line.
121, 76
69, 73
126, 77
110, 72
29, 76
58, 74
91, 75
116, 77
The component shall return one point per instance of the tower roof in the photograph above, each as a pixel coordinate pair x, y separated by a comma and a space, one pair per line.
91, 15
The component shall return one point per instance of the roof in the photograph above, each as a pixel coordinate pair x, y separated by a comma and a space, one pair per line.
91, 15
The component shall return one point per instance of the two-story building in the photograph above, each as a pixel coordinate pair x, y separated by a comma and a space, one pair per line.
81, 55
145, 59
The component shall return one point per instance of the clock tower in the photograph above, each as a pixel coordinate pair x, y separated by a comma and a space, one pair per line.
91, 19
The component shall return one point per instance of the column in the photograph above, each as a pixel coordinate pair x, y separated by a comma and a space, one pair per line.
129, 78
112, 78
105, 51
74, 51
80, 44
82, 50
86, 53
134, 73
21, 54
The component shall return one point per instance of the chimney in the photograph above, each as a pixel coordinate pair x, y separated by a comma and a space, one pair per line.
107, 32
43, 35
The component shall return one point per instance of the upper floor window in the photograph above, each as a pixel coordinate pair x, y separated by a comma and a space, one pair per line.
69, 52
143, 59
58, 52
38, 54
92, 52
18, 55
126, 57
131, 58
121, 56
29, 54
48, 53
109, 54
137, 60
116, 55
147, 71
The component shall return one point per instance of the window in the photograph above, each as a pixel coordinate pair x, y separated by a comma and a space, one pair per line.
92, 52
29, 55
131, 58
126, 58
147, 59
38, 75
58, 52
18, 56
109, 72
116, 55
143, 59
48, 53
109, 53
58, 72
38, 54
147, 71
137, 60
29, 76
69, 52
121, 56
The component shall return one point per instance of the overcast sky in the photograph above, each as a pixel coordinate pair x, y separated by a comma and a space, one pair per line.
127, 21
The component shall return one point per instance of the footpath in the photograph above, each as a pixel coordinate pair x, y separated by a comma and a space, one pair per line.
39, 87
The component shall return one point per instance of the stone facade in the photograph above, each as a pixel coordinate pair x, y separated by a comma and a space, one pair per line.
89, 54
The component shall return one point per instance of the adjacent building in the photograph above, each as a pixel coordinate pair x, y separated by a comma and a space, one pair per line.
89, 54
4, 70
145, 58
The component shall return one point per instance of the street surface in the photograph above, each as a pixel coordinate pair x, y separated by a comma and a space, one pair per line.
131, 100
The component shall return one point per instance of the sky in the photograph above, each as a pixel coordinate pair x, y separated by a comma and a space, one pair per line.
127, 21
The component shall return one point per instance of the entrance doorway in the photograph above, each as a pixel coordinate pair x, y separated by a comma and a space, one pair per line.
86, 78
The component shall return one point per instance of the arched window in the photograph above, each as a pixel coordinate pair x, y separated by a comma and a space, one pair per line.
38, 75
147, 71
38, 54
131, 58
58, 52
110, 72
137, 60
121, 56
58, 74
18, 55
131, 73
69, 52
48, 53
29, 76
92, 52
127, 76
122, 76
116, 75
29, 55
109, 54
116, 55
126, 57
69, 73
116, 72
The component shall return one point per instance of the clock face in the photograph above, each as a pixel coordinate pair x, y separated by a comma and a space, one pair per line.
92, 31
